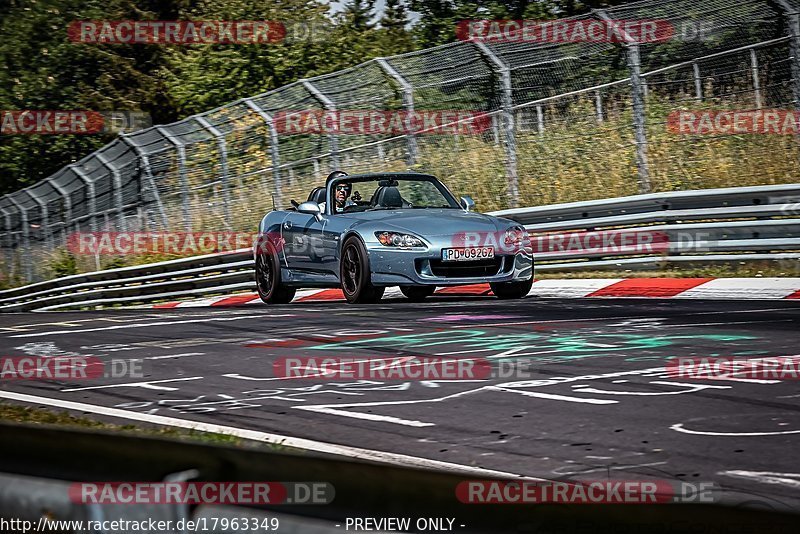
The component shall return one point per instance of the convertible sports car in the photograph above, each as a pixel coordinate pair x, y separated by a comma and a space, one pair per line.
366, 232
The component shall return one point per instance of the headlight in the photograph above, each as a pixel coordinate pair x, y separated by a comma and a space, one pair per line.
515, 236
393, 239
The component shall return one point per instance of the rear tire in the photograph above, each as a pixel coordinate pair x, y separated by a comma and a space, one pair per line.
355, 275
268, 280
512, 290
417, 293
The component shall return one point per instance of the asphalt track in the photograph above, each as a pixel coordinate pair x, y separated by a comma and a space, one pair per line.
590, 398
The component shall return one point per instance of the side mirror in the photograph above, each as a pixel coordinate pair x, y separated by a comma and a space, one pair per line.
467, 203
310, 208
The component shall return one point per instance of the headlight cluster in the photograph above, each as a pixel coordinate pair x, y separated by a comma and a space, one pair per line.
515, 236
393, 239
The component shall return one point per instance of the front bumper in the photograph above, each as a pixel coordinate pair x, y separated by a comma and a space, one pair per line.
407, 267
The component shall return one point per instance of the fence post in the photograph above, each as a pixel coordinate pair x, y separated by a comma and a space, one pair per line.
8, 242
698, 82
793, 20
408, 104
45, 218
756, 79
89, 195
223, 158
117, 181
151, 183
327, 103
508, 118
67, 206
598, 104
637, 98
27, 264
273, 147
181, 149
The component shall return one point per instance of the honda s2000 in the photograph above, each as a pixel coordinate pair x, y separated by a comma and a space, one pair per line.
364, 233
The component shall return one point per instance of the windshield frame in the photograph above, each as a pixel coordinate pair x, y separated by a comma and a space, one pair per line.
443, 190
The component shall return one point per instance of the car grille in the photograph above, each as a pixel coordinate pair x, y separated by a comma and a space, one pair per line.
465, 269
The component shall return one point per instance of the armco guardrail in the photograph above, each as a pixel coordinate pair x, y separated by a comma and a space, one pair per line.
34, 484
714, 225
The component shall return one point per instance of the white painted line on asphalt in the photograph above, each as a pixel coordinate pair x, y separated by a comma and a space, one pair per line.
170, 356
146, 385
551, 396
146, 325
679, 428
767, 477
288, 441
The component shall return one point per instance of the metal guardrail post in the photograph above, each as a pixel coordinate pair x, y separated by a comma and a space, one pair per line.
181, 149
637, 98
273, 146
508, 115
408, 103
328, 104
26, 241
117, 181
151, 183
223, 160
90, 195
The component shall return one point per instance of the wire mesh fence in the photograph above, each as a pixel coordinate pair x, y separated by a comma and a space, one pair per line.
512, 122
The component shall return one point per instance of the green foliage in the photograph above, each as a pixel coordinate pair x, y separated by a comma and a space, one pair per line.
63, 263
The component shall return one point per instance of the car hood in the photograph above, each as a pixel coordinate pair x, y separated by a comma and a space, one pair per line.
429, 222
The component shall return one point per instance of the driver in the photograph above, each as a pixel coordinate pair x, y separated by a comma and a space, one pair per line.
341, 193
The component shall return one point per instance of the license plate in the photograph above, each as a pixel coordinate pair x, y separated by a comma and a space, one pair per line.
467, 254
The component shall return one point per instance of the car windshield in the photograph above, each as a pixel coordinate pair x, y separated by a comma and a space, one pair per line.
391, 193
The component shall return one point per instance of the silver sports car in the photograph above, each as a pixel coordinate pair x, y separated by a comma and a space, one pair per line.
366, 232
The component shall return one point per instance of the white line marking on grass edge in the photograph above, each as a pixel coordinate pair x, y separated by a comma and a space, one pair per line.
298, 443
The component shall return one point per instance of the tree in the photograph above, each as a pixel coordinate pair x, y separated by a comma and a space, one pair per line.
360, 14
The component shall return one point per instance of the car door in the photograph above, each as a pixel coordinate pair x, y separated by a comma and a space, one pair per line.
303, 243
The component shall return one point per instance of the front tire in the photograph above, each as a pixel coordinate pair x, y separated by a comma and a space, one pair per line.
417, 293
512, 290
355, 275
268, 280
